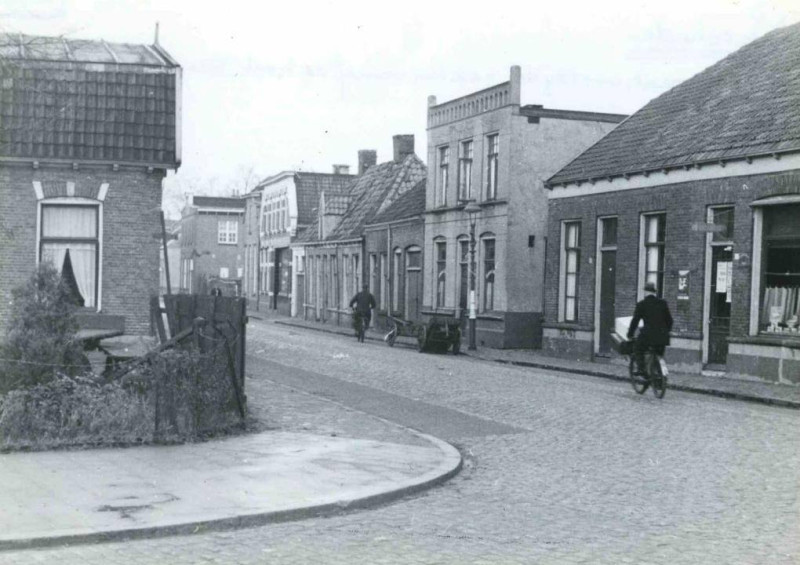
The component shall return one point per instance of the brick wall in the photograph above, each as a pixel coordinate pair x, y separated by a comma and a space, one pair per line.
130, 253
213, 255
685, 204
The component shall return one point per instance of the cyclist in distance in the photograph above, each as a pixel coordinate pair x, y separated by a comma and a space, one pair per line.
657, 325
364, 302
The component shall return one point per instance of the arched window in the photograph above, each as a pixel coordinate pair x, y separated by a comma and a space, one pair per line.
440, 272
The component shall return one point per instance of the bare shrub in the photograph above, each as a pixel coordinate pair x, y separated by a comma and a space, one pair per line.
74, 411
41, 339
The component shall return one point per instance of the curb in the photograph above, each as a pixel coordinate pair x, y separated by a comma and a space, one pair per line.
330, 331
683, 388
744, 397
445, 472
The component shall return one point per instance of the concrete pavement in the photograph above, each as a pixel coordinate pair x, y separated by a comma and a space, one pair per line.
746, 390
50, 498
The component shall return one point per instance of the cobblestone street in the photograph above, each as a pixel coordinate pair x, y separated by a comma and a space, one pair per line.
558, 469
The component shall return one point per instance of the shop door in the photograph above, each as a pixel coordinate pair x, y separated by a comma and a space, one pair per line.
608, 286
719, 323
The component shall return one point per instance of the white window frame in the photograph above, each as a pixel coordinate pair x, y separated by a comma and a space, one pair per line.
643, 253
492, 166
757, 280
562, 272
439, 273
226, 235
466, 152
443, 173
397, 261
484, 274
76, 201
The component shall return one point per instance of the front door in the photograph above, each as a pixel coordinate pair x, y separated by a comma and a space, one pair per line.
412, 295
719, 322
608, 284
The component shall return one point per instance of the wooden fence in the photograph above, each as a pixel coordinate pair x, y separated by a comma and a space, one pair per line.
226, 316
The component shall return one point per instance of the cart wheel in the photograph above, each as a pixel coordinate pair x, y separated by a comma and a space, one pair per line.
457, 347
391, 336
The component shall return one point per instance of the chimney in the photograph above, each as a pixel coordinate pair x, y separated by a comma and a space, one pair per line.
341, 169
403, 146
366, 158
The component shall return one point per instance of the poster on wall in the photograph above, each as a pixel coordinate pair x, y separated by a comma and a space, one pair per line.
722, 277
683, 285
729, 267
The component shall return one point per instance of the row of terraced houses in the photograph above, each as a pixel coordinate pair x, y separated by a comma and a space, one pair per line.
568, 212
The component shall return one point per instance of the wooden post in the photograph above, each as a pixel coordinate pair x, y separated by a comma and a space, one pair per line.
235, 381
166, 256
158, 321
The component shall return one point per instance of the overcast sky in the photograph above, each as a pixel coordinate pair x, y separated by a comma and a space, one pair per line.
303, 85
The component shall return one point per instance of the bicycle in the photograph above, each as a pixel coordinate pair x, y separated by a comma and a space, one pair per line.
655, 373
358, 325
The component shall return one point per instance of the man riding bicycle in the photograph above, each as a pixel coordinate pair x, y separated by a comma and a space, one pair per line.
655, 314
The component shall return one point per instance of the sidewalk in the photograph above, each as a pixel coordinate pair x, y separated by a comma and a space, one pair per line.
52, 498
752, 391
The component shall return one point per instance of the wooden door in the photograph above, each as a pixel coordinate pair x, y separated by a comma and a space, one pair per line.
608, 285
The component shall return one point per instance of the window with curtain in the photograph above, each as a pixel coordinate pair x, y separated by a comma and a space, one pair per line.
69, 237
346, 275
441, 272
444, 171
463, 273
356, 276
488, 274
654, 229
465, 170
397, 270
780, 295
493, 153
383, 280
570, 260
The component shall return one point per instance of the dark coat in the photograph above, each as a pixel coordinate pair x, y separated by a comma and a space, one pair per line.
657, 321
363, 301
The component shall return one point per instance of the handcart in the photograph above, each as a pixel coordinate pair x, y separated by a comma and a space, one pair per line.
438, 335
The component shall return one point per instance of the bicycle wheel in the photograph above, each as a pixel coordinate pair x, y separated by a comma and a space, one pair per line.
656, 376
638, 382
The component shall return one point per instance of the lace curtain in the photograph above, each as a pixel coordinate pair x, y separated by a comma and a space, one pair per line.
62, 223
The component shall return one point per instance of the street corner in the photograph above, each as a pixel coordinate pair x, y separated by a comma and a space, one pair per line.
111, 495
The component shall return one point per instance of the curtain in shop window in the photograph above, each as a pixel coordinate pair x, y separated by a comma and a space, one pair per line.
783, 300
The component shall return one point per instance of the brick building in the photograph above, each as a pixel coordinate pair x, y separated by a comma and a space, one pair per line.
211, 245
486, 147
393, 242
88, 131
251, 245
698, 192
334, 246
288, 205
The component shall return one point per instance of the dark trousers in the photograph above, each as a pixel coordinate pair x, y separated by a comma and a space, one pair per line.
639, 350
366, 317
